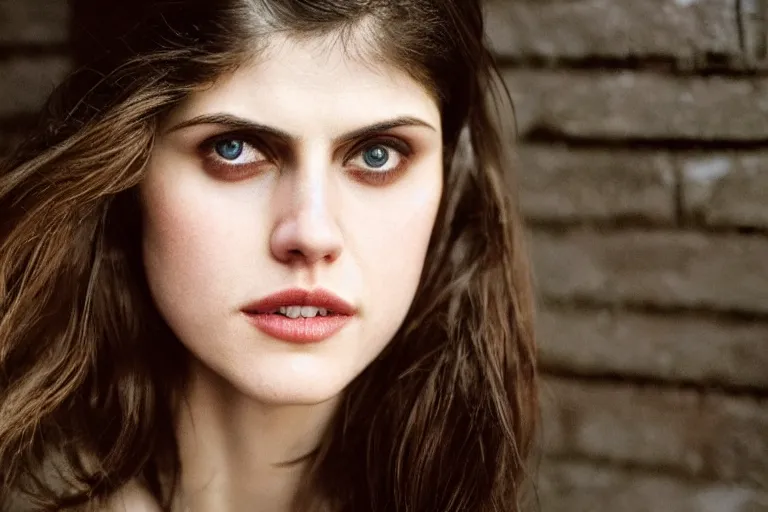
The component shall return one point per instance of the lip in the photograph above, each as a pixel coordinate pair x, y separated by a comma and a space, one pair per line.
263, 315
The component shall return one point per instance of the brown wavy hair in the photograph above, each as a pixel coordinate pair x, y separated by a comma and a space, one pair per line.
443, 420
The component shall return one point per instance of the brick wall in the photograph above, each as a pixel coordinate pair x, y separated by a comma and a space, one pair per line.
643, 129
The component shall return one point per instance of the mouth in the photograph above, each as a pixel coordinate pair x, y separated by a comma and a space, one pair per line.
300, 316
302, 311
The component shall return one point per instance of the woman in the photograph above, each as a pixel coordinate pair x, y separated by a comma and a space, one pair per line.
264, 255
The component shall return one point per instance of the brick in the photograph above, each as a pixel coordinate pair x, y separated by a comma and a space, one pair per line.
579, 29
711, 436
727, 189
625, 425
562, 184
639, 105
26, 83
33, 21
570, 486
677, 348
737, 446
670, 270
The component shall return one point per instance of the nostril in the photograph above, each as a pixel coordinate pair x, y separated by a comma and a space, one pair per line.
308, 238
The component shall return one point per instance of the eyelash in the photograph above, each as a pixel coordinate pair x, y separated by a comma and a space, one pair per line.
240, 171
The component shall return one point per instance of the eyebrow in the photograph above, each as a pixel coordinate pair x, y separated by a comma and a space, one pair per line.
241, 123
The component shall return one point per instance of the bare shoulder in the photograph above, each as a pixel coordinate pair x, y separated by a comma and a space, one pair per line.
132, 498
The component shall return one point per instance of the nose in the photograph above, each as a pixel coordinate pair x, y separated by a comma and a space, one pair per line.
306, 231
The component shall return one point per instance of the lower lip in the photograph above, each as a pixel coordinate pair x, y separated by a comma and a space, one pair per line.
298, 330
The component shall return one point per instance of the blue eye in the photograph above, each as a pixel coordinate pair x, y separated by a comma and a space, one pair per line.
376, 156
229, 149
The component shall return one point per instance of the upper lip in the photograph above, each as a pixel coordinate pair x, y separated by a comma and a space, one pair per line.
318, 298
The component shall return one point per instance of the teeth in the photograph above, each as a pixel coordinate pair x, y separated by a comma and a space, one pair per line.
303, 311
308, 311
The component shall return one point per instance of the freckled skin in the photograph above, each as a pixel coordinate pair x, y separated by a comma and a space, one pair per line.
212, 245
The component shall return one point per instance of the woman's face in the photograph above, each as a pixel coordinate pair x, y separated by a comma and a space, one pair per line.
287, 212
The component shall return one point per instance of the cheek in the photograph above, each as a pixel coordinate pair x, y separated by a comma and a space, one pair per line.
195, 238
395, 248
176, 241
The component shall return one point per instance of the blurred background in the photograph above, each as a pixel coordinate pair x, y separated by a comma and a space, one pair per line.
643, 156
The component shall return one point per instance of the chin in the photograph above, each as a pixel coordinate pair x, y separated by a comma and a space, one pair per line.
275, 373
295, 393
294, 397
296, 380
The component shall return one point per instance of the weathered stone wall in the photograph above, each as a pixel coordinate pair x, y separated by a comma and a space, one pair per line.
643, 149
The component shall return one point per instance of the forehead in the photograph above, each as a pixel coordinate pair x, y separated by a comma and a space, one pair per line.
314, 84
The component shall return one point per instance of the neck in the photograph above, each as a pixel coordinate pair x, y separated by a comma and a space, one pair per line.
238, 454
